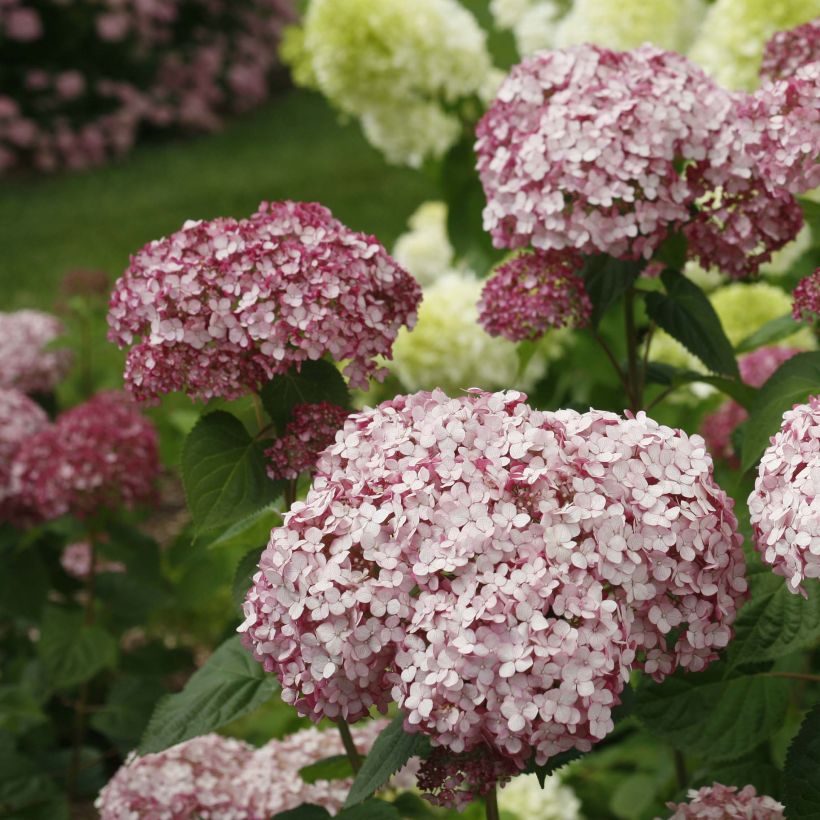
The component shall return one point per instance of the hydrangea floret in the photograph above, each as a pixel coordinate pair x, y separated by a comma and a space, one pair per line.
785, 502
221, 306
27, 361
496, 571
718, 802
788, 50
806, 299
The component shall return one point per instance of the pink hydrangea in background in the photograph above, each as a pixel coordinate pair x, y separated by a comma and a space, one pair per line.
806, 299
76, 561
718, 802
220, 307
785, 503
25, 362
219, 778
312, 428
496, 571
101, 454
788, 50
20, 418
532, 293
755, 369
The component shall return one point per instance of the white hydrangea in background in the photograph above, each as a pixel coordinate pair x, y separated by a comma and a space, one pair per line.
425, 250
399, 67
524, 797
731, 39
539, 24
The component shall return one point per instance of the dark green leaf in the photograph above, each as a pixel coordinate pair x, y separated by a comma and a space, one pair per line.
26, 793
774, 331
229, 684
254, 529
392, 749
412, 806
672, 251
775, 622
20, 710
606, 280
764, 776
811, 213
71, 650
307, 811
314, 382
370, 810
336, 767
670, 376
552, 765
23, 582
687, 315
245, 570
223, 471
793, 382
801, 780
127, 710
715, 717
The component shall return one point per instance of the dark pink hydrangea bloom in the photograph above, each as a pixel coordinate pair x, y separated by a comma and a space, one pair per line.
495, 570
532, 293
20, 419
785, 503
220, 307
25, 363
718, 802
312, 428
806, 299
755, 369
788, 50
100, 454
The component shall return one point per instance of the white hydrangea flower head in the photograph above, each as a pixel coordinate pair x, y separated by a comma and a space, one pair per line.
396, 66
524, 797
731, 39
450, 350
425, 250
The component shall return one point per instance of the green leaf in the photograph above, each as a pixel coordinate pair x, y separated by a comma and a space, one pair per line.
412, 806
20, 710
230, 684
253, 529
370, 810
71, 650
792, 383
764, 776
307, 811
801, 779
606, 280
552, 765
633, 795
127, 710
712, 715
336, 767
24, 582
670, 376
775, 622
774, 331
811, 213
26, 793
687, 315
392, 749
672, 251
223, 471
245, 570
314, 382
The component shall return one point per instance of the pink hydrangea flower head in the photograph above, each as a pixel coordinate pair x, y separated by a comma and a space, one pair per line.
220, 307
785, 502
583, 148
496, 571
806, 299
788, 50
100, 454
718, 802
312, 428
25, 363
755, 370
20, 418
532, 293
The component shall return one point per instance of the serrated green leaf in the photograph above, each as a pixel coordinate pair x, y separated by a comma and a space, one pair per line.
392, 749
253, 529
687, 315
314, 382
336, 767
775, 622
672, 251
774, 331
370, 810
552, 765
801, 777
793, 382
71, 650
230, 684
606, 280
307, 811
223, 471
712, 715
764, 776
245, 570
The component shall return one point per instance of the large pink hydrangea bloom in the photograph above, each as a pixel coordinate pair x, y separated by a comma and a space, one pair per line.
785, 503
218, 778
25, 363
101, 454
220, 307
495, 570
718, 802
788, 50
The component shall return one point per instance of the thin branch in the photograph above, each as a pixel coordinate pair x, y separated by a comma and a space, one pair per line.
491, 804
350, 746
611, 356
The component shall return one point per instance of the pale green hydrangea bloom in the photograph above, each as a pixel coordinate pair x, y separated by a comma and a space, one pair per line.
524, 797
734, 32
398, 66
425, 250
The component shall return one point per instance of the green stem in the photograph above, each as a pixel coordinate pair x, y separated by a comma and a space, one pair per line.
290, 493
491, 804
793, 676
680, 769
635, 391
350, 747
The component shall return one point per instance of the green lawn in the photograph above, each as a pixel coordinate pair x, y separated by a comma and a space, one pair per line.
292, 148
